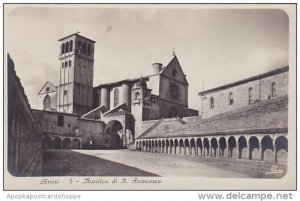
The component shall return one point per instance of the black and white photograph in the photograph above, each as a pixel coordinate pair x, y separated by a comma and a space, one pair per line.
149, 97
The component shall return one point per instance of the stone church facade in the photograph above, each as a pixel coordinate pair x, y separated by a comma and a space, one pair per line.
122, 108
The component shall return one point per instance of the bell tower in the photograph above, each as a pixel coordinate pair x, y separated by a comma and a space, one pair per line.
75, 89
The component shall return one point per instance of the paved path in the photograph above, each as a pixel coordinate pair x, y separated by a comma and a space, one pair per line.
175, 165
70, 163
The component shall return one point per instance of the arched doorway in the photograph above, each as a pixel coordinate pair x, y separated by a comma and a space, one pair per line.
181, 147
112, 138
206, 147
176, 147
47, 142
223, 147
75, 143
167, 146
243, 151
57, 143
199, 146
281, 150
193, 147
67, 144
267, 149
214, 147
171, 146
47, 102
254, 148
232, 147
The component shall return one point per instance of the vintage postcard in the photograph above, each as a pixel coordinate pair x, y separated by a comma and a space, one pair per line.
150, 97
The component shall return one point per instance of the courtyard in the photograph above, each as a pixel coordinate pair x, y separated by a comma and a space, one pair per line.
132, 163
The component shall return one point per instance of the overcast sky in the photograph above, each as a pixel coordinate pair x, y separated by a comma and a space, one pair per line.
216, 46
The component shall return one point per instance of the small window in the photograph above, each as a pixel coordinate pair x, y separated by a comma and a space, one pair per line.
230, 98
71, 46
212, 103
250, 95
137, 96
89, 50
273, 89
63, 48
65, 92
67, 47
66, 64
84, 48
47, 89
70, 63
116, 97
174, 72
60, 120
62, 65
79, 46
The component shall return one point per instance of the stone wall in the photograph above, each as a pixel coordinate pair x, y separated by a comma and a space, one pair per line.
24, 140
72, 126
261, 91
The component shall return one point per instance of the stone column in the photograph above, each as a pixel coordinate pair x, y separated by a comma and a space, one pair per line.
275, 151
261, 152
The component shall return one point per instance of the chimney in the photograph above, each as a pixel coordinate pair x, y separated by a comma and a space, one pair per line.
157, 68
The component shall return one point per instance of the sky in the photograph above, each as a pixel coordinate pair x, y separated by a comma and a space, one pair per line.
213, 46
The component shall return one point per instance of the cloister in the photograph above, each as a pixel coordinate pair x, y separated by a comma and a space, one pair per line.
61, 142
263, 147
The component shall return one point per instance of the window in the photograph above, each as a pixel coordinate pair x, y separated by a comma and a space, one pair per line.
65, 92
250, 95
273, 89
66, 64
62, 65
63, 48
116, 97
79, 47
70, 63
47, 89
230, 98
47, 102
71, 46
174, 72
212, 103
60, 120
89, 50
67, 47
137, 96
84, 48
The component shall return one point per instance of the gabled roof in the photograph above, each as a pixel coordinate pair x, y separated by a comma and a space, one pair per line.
48, 82
175, 64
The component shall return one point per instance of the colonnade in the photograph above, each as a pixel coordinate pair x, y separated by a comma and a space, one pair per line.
61, 142
262, 147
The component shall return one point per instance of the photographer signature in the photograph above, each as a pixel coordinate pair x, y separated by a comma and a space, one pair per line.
275, 171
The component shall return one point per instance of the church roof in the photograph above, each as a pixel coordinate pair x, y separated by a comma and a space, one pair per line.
174, 62
49, 83
76, 35
269, 116
122, 81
